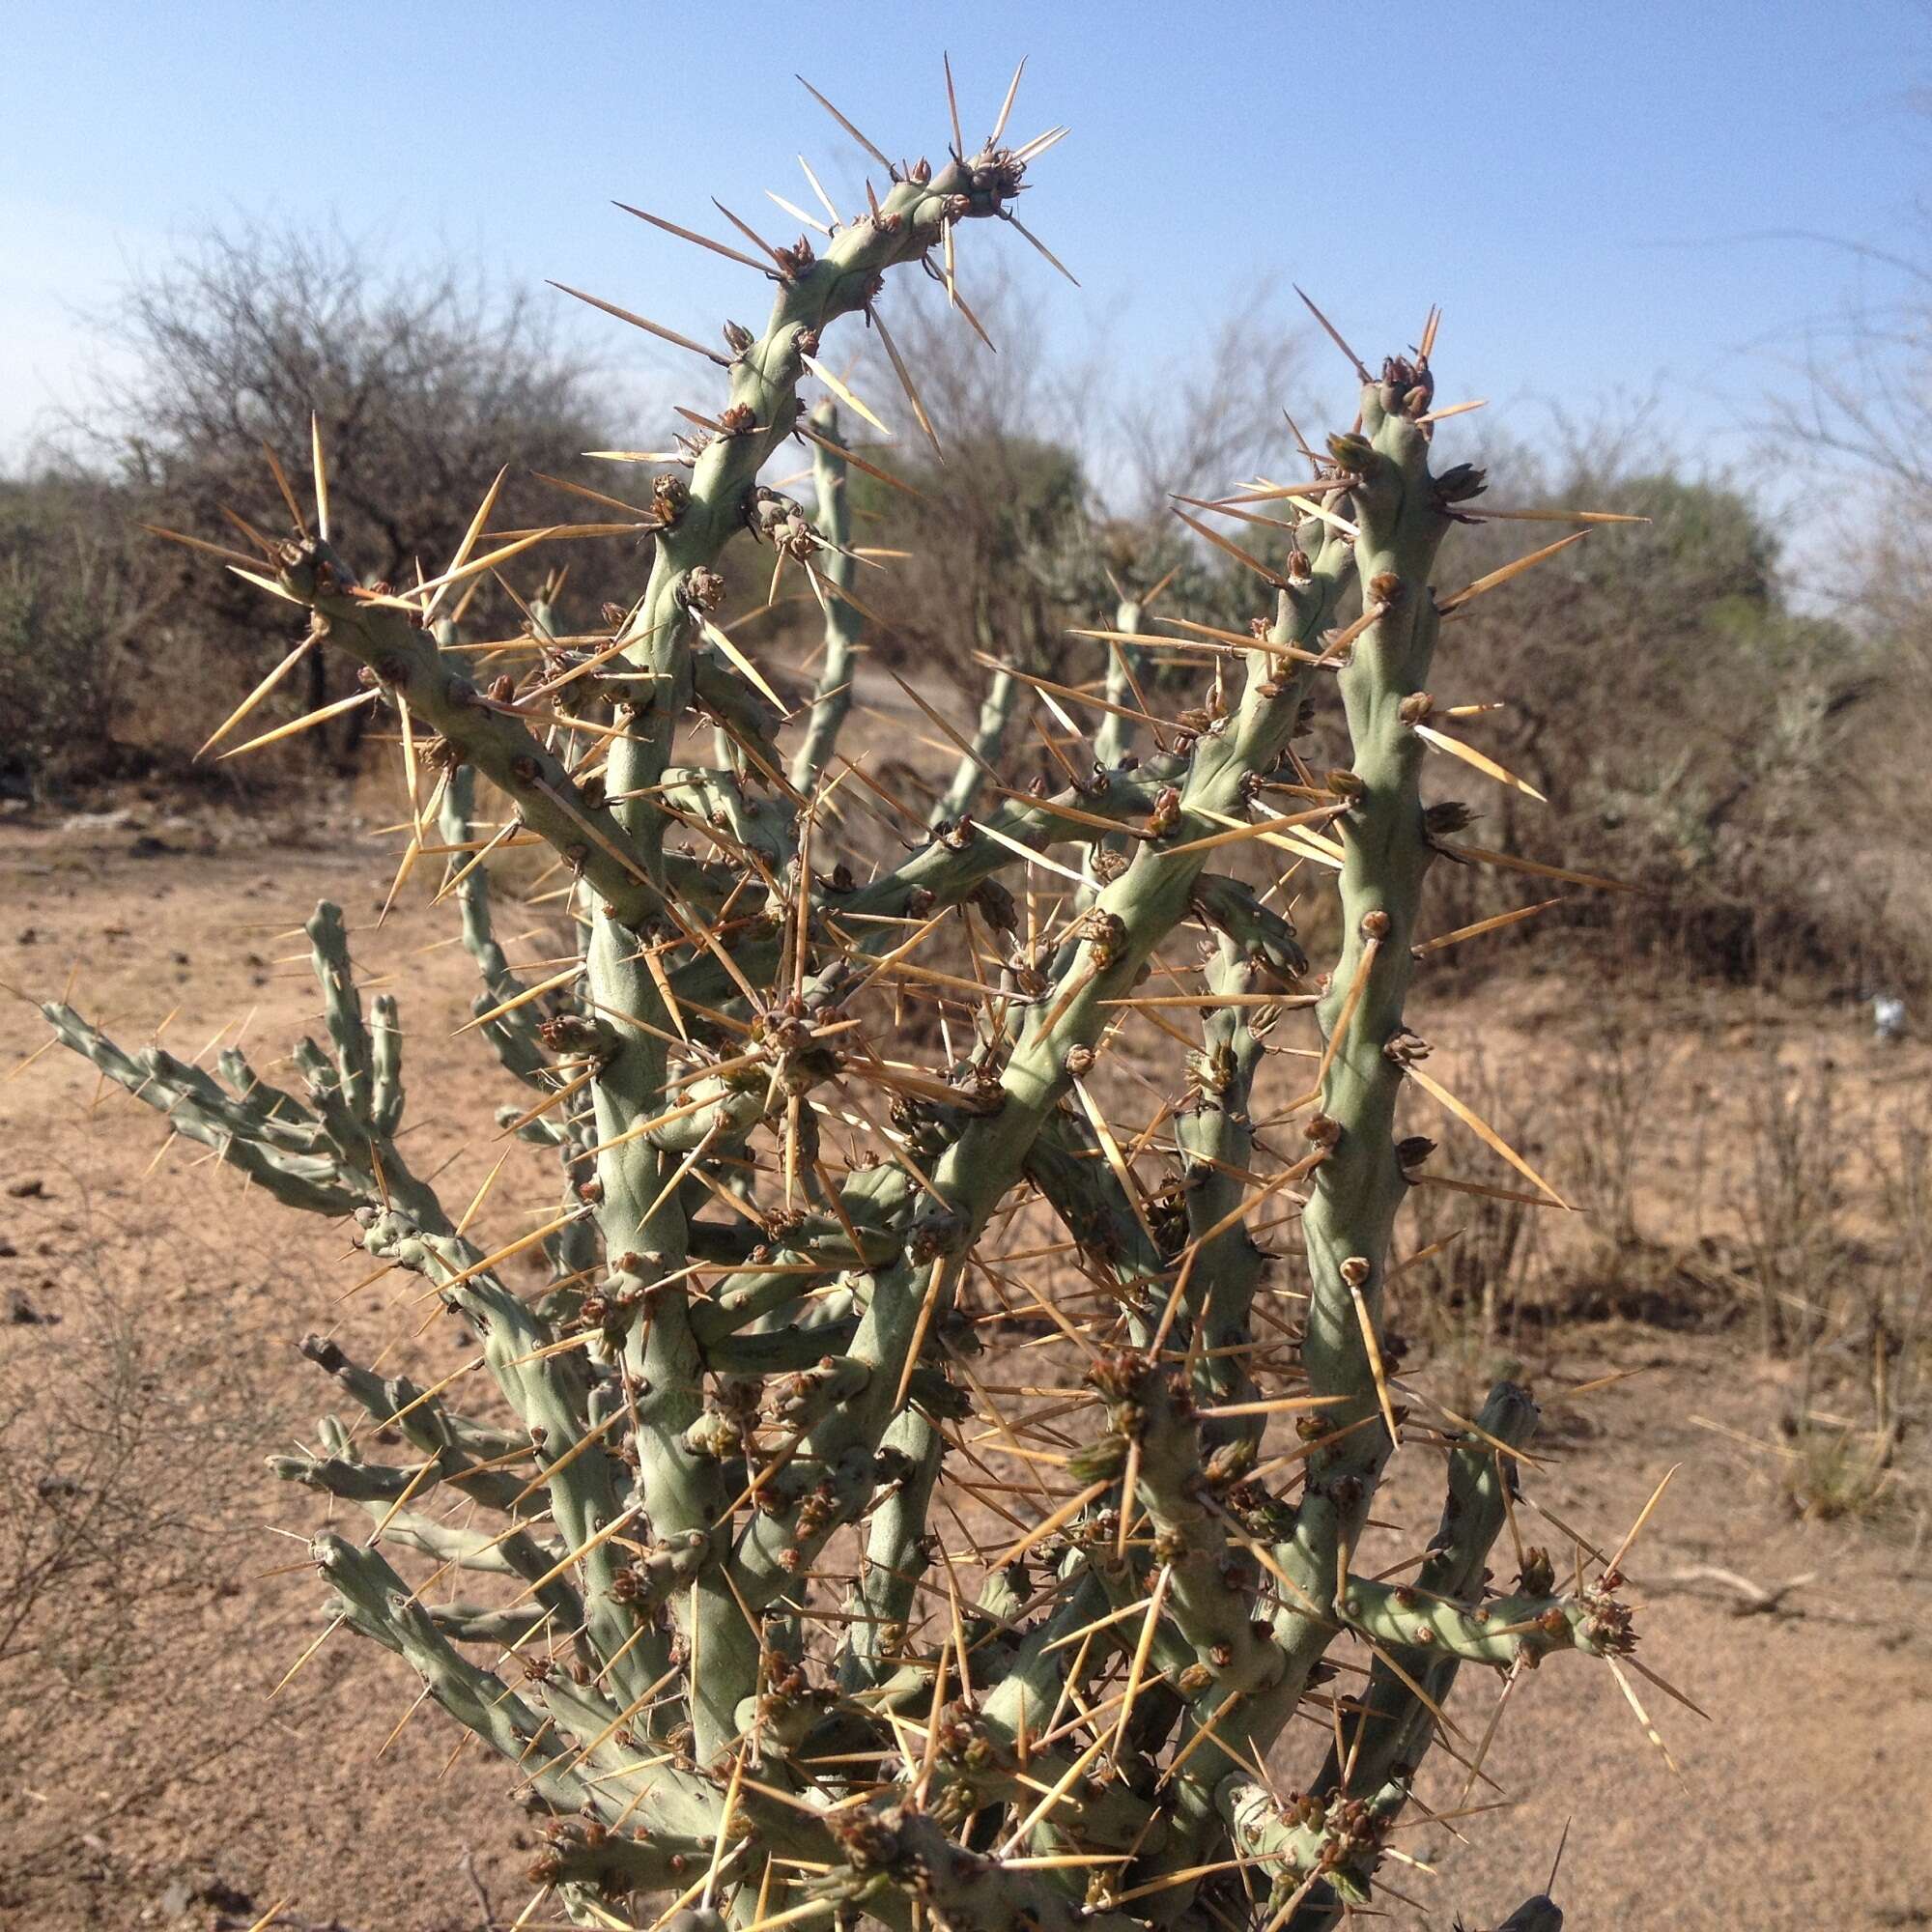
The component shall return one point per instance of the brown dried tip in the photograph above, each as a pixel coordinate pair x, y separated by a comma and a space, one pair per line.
1407, 388
703, 589
668, 496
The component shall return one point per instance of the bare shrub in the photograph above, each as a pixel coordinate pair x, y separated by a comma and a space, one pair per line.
423, 384
93, 1515
1474, 1259
1794, 1205
1609, 1126
74, 594
1898, 1317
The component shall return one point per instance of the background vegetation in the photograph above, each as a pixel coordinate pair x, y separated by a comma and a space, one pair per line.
1731, 728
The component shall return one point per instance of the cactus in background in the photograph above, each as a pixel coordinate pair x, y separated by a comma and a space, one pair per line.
808, 1596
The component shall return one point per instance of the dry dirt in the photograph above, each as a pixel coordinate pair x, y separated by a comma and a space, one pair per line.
150, 1773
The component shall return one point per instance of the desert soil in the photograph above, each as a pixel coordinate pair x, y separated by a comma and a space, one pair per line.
152, 1775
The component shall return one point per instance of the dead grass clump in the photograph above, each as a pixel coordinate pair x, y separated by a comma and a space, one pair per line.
1842, 1476
95, 1512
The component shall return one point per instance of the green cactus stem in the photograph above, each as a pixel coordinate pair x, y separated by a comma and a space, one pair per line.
832, 700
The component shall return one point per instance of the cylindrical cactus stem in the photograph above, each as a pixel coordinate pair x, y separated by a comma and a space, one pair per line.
395, 1401
989, 734
196, 1108
948, 870
699, 518
1259, 933
1424, 1632
341, 1471
573, 1448
959, 1886
1141, 907
1217, 1132
561, 1738
832, 517
1136, 912
517, 1033
1359, 1184
1394, 1729
1526, 1625
1209, 1581
1321, 1852
1357, 1181
980, 757
1114, 736
882, 1603
342, 1010
951, 866
332, 1155
373, 1597
1068, 1167
544, 623
457, 821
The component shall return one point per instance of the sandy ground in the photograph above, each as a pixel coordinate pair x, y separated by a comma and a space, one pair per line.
148, 1775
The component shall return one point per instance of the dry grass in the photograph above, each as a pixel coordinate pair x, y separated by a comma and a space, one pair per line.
93, 1517
1651, 1128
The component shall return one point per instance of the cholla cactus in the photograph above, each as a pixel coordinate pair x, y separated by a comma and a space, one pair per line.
808, 1597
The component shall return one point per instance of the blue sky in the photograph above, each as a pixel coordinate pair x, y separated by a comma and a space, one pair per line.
1579, 185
